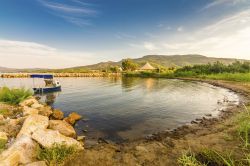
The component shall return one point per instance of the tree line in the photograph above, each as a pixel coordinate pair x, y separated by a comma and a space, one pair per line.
216, 68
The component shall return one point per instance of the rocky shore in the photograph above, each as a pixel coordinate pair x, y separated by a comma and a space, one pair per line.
31, 126
96, 74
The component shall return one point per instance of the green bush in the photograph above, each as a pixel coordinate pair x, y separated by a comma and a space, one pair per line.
13, 96
57, 154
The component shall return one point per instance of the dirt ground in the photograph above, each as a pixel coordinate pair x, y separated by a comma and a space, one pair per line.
163, 149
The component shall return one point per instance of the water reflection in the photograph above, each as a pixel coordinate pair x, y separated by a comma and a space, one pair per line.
128, 108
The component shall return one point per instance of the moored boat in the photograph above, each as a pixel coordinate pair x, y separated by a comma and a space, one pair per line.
51, 85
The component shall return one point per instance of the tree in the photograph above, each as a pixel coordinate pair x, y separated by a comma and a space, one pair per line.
128, 65
114, 69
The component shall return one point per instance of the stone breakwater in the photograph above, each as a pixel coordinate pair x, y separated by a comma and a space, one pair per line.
32, 125
26, 75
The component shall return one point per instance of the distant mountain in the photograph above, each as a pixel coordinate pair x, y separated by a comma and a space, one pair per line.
163, 60
7, 70
154, 60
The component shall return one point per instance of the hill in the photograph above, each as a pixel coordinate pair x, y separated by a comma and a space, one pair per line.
161, 60
155, 60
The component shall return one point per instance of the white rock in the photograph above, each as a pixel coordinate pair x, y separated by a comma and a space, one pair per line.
47, 138
29, 111
63, 127
1, 118
32, 123
37, 163
26, 147
3, 139
37, 105
28, 102
11, 160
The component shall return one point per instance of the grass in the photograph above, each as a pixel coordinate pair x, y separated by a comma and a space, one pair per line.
238, 77
57, 154
4, 112
210, 157
189, 159
13, 96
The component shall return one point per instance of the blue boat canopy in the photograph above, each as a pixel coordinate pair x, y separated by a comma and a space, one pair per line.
45, 76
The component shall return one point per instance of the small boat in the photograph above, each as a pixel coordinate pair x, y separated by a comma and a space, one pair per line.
51, 85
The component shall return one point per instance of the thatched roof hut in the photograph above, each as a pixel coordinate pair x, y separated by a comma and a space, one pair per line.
147, 66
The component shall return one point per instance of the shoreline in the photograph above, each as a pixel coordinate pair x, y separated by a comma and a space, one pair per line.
161, 142
94, 74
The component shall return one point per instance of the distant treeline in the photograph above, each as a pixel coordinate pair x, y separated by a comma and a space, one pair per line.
216, 68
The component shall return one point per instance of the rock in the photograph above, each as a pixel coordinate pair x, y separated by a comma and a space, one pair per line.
75, 116
45, 111
28, 102
141, 148
57, 114
3, 139
72, 118
80, 138
37, 105
37, 163
32, 123
2, 117
208, 115
11, 126
12, 160
47, 138
29, 111
63, 127
69, 120
25, 146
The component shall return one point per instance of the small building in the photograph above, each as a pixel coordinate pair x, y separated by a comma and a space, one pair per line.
147, 66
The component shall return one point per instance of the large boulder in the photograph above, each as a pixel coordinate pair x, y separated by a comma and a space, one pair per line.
57, 114
29, 111
45, 111
25, 146
63, 127
72, 118
28, 102
12, 159
32, 123
37, 105
47, 138
3, 139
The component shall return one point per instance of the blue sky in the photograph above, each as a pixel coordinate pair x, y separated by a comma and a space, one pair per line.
65, 33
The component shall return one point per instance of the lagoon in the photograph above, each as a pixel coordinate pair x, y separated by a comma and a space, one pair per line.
120, 109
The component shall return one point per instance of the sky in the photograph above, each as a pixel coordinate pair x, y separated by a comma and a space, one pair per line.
66, 33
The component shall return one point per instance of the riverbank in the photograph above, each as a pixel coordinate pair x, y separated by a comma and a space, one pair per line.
167, 147
95, 74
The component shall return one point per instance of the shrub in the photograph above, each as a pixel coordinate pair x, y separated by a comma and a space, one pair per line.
13, 96
57, 154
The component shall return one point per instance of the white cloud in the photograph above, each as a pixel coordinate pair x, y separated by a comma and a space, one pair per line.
215, 3
228, 37
29, 54
149, 46
75, 14
180, 29
121, 35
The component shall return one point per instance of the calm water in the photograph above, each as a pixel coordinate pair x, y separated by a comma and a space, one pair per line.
129, 108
